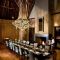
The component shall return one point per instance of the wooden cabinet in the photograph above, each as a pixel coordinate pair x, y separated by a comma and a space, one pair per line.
57, 36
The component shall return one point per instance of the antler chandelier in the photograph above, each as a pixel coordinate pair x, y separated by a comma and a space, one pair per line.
20, 22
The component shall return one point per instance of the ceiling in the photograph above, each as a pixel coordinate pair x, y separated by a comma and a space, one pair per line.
9, 9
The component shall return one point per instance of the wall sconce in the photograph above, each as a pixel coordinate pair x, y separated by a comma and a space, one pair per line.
55, 24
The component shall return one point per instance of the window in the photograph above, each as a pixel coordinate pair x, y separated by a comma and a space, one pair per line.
41, 24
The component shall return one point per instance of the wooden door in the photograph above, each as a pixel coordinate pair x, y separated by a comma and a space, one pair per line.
31, 34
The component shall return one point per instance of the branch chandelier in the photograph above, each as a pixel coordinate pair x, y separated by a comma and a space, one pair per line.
20, 22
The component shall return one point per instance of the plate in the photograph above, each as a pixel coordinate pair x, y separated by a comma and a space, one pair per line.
37, 52
46, 53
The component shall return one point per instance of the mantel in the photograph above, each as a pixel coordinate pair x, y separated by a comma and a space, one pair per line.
42, 35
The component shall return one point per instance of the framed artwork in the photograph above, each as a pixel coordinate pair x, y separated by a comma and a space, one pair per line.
41, 24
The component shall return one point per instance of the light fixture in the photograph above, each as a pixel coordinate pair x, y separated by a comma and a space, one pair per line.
21, 23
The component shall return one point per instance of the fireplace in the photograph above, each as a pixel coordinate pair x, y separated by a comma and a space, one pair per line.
41, 37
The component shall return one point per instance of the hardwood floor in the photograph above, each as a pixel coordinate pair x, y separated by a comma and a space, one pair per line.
6, 54
58, 54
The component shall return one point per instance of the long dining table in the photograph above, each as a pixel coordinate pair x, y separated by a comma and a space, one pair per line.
35, 53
